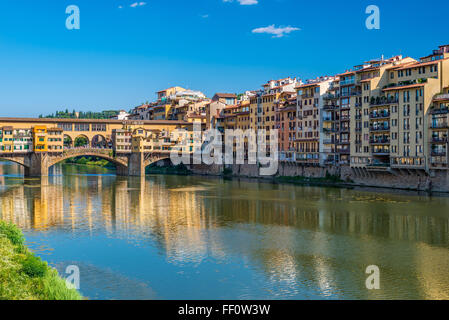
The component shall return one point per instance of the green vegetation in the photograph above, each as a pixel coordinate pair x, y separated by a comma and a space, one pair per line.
24, 276
90, 161
180, 169
108, 114
81, 142
227, 172
327, 180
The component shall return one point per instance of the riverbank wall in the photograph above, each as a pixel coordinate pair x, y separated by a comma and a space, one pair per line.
418, 180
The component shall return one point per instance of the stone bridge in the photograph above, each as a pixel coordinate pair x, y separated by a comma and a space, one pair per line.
132, 164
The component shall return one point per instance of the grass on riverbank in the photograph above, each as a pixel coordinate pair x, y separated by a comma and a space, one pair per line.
24, 276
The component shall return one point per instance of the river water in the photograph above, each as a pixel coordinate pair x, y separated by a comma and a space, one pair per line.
176, 237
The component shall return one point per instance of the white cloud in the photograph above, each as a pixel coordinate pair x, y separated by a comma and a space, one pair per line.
244, 2
137, 4
276, 32
205, 16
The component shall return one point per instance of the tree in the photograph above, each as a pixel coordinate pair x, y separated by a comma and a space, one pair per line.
81, 142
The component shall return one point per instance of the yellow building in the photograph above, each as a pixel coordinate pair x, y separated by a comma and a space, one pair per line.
7, 139
55, 139
40, 139
439, 131
164, 95
161, 112
396, 98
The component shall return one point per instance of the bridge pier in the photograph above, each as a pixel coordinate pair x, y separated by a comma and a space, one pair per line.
136, 164
38, 165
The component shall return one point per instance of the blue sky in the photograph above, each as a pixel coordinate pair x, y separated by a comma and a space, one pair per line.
121, 56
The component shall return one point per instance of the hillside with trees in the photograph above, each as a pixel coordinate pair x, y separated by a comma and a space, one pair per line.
107, 114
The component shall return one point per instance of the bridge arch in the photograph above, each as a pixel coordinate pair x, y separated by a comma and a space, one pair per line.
99, 141
153, 158
68, 141
20, 161
81, 141
121, 163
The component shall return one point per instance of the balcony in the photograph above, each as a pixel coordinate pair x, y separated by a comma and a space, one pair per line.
439, 111
379, 115
327, 119
330, 107
328, 141
379, 165
438, 153
329, 130
379, 128
380, 141
381, 152
439, 125
444, 96
382, 101
344, 150
347, 82
330, 96
438, 140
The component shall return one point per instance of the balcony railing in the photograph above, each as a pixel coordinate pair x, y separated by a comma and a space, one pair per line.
380, 128
439, 125
330, 96
330, 107
380, 152
379, 141
379, 165
444, 96
379, 115
438, 153
343, 150
438, 140
347, 82
383, 101
440, 111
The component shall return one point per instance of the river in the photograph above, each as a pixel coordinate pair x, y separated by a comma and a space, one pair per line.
188, 237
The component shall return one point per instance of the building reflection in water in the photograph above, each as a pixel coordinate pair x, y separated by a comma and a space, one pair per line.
308, 241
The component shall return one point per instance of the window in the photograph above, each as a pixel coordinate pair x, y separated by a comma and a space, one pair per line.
82, 127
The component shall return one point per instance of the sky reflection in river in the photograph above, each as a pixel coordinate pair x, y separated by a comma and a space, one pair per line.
171, 237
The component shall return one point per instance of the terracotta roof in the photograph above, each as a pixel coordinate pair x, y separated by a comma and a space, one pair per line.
308, 85
226, 95
417, 65
345, 73
367, 69
405, 87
